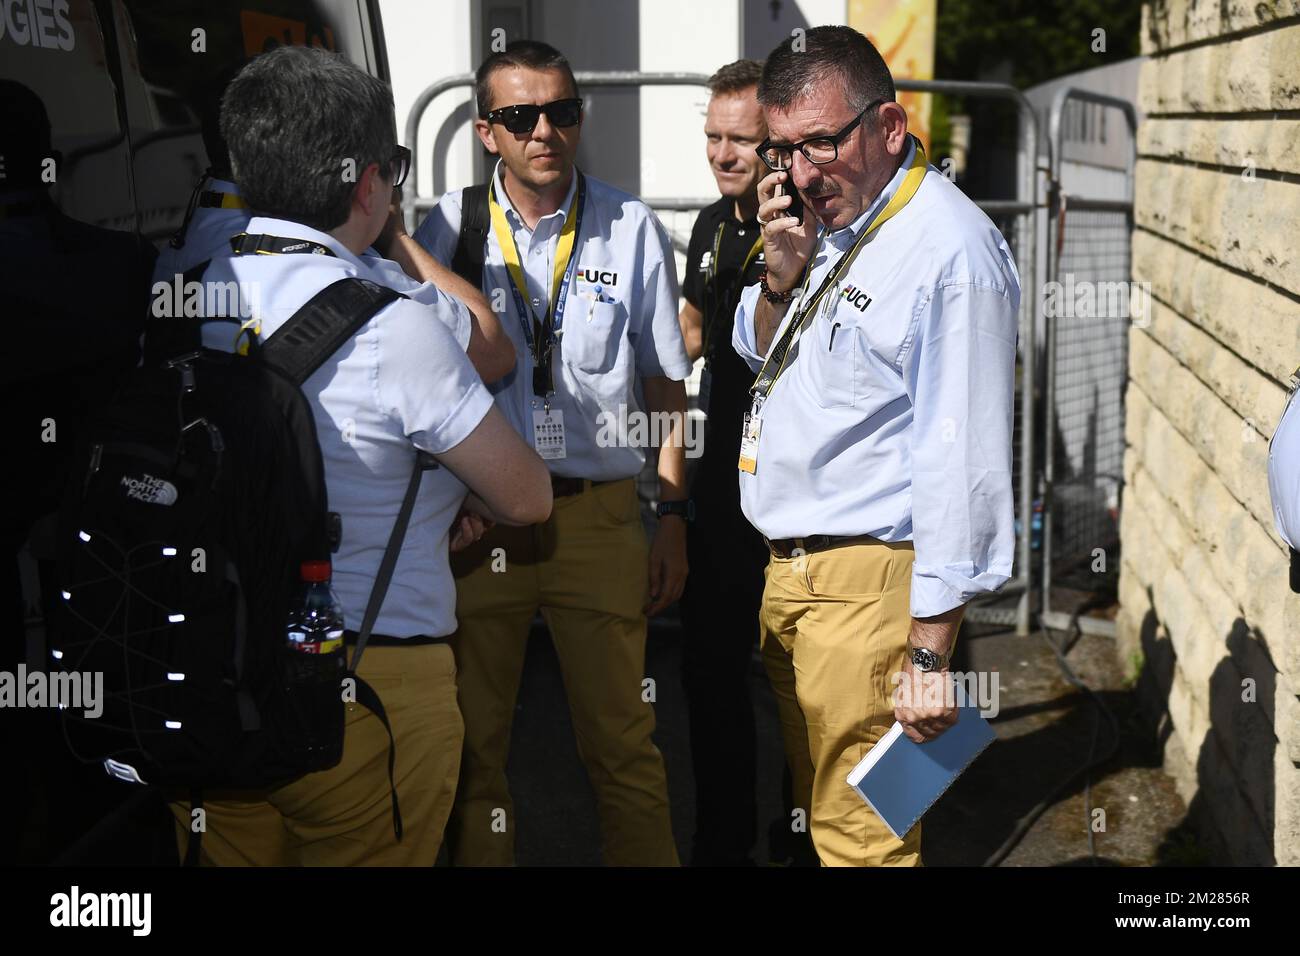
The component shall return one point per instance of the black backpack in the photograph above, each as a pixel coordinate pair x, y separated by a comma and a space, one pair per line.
197, 492
475, 221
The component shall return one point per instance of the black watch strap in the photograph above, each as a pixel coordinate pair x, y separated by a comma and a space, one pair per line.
685, 509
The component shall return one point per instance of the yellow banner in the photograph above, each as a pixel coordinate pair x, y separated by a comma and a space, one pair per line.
903, 32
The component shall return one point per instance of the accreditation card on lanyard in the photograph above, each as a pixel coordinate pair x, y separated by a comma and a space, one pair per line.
784, 350
542, 335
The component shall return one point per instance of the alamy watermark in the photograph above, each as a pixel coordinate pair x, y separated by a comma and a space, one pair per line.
177, 299
76, 908
979, 688
638, 429
66, 690
1085, 299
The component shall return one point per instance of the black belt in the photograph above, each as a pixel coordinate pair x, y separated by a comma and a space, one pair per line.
563, 487
383, 640
788, 547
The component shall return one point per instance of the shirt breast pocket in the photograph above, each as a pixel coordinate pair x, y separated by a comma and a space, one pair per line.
592, 334
839, 370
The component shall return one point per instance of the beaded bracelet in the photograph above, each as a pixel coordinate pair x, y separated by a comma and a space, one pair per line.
773, 297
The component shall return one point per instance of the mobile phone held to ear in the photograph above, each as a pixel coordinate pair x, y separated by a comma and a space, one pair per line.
796, 201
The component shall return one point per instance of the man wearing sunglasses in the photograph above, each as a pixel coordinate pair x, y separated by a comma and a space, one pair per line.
585, 279
876, 452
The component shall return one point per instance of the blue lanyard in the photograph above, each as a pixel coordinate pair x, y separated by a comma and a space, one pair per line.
543, 346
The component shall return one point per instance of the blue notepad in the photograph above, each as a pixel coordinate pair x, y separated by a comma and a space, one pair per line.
901, 780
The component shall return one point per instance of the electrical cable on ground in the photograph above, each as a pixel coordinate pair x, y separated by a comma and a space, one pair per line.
1027, 821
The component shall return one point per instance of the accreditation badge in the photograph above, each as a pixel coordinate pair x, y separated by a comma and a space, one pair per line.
749, 432
548, 433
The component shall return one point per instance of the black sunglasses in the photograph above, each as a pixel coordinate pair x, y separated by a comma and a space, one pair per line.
818, 149
399, 165
523, 117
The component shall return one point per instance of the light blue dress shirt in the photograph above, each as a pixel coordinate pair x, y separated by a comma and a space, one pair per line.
620, 321
895, 418
402, 383
1284, 474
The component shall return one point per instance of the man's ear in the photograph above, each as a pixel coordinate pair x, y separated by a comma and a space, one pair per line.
893, 121
486, 136
371, 189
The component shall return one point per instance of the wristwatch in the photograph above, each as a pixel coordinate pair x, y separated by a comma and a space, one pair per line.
685, 509
924, 659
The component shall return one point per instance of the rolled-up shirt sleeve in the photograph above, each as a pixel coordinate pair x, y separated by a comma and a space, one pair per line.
742, 329
423, 381
656, 333
960, 375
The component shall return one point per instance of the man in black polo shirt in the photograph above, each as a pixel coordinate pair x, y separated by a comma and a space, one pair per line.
726, 555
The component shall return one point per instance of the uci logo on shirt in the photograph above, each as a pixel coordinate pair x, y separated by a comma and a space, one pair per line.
855, 297
597, 276
39, 23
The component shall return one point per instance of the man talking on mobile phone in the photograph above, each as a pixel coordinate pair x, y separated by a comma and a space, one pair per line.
875, 456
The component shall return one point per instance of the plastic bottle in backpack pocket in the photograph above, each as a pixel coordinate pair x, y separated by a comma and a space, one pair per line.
315, 630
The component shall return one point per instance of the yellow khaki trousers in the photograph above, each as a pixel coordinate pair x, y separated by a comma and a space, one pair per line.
344, 816
586, 569
834, 627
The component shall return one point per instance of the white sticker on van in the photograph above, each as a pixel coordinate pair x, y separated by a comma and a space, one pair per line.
40, 23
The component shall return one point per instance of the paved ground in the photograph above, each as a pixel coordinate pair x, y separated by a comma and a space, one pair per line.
1045, 729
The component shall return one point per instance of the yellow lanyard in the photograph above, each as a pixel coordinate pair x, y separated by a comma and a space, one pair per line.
754, 250
563, 253
717, 245
713, 274
781, 354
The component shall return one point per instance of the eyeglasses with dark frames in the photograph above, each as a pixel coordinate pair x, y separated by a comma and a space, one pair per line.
522, 118
399, 165
819, 149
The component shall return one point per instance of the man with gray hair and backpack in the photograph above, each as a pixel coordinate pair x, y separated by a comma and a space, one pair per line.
313, 147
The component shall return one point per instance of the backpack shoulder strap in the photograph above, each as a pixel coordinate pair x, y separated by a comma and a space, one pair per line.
167, 331
475, 220
297, 349
317, 330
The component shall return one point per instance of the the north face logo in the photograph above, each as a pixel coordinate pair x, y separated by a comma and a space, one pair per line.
150, 490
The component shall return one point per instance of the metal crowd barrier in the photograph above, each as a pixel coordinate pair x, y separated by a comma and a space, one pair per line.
1087, 362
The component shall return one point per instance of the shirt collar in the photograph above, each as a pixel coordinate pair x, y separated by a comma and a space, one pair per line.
517, 221
845, 237
287, 229
222, 186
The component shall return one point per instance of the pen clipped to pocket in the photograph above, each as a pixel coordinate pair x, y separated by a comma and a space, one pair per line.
595, 296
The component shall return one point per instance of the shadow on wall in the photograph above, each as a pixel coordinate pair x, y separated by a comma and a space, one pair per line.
1230, 820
